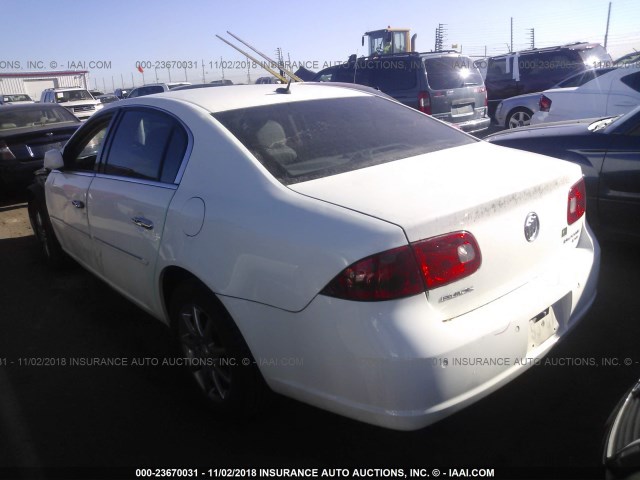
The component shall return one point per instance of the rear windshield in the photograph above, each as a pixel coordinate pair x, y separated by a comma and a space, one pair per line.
444, 73
33, 117
302, 141
595, 57
16, 98
72, 96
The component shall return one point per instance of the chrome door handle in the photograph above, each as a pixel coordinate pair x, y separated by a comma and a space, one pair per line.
77, 203
143, 222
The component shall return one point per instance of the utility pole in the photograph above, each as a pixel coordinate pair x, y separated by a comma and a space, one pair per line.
280, 60
606, 34
203, 79
511, 44
532, 37
441, 32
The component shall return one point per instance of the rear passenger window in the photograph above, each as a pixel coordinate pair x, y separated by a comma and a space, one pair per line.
632, 81
148, 145
549, 64
391, 75
500, 68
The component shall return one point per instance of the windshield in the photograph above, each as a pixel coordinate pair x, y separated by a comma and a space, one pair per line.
34, 117
73, 96
303, 141
16, 98
444, 73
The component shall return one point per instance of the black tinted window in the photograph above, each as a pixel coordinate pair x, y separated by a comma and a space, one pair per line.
582, 78
39, 115
550, 64
388, 75
451, 72
148, 145
632, 81
318, 138
86, 148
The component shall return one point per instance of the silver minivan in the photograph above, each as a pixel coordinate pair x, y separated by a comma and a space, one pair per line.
446, 85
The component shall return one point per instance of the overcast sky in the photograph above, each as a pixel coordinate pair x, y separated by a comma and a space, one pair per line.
115, 34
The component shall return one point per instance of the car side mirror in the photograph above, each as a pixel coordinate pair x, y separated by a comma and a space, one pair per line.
53, 159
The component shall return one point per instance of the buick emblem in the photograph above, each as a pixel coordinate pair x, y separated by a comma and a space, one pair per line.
531, 226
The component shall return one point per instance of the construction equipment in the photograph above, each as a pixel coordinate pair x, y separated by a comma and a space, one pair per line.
266, 65
390, 40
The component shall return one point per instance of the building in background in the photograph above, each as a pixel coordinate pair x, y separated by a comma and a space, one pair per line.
33, 83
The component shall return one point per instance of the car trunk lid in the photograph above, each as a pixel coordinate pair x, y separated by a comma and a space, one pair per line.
480, 188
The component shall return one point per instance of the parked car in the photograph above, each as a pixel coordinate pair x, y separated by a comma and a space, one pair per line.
10, 98
27, 131
149, 89
330, 242
629, 58
263, 80
122, 93
613, 93
538, 69
621, 451
446, 85
608, 150
517, 111
107, 98
152, 88
220, 83
75, 99
198, 85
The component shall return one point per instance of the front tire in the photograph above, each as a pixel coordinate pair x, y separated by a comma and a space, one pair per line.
41, 224
519, 117
215, 352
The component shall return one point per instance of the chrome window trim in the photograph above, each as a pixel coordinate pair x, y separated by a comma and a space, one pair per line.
140, 181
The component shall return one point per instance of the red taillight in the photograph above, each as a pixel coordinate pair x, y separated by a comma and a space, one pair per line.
482, 90
577, 202
384, 276
408, 270
447, 258
5, 152
544, 103
424, 102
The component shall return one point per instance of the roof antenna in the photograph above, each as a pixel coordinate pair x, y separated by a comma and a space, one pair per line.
284, 90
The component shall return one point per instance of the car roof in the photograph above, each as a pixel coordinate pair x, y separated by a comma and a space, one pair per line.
234, 97
578, 46
64, 89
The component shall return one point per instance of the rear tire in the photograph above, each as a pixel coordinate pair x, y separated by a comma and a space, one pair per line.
519, 117
216, 354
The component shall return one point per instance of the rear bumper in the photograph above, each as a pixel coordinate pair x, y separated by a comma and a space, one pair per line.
473, 126
392, 364
468, 126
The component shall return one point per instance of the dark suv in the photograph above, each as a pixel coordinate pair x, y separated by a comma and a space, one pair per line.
446, 85
539, 69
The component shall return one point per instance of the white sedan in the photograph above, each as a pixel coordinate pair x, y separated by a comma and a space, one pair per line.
611, 94
328, 243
